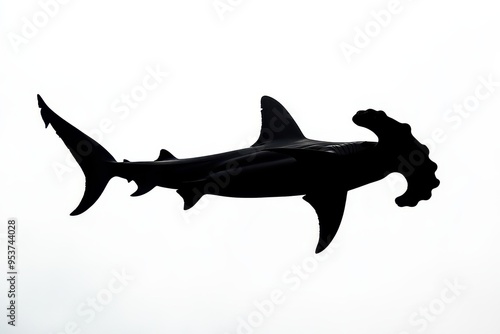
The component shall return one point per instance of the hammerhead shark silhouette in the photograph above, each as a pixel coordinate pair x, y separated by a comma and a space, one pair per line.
283, 162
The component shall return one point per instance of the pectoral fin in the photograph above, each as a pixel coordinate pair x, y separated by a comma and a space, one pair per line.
330, 209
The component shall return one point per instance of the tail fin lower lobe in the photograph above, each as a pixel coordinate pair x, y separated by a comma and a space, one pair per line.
94, 160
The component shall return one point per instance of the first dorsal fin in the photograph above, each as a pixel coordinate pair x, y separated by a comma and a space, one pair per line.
277, 124
165, 155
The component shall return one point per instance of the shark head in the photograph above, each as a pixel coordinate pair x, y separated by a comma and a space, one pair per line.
381, 124
368, 118
408, 156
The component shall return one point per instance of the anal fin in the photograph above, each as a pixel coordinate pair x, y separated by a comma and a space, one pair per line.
143, 188
190, 196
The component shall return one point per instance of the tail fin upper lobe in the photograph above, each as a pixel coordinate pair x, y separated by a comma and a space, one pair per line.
94, 160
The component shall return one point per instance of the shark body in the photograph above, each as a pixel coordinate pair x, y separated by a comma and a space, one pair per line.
283, 162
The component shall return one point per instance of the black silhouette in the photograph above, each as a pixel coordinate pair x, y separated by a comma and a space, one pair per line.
281, 163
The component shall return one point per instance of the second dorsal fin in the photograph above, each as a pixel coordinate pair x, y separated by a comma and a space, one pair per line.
277, 124
165, 155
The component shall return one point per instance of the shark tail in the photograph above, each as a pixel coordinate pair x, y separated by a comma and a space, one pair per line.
95, 162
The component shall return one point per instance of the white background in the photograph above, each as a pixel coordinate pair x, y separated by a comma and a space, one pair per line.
203, 271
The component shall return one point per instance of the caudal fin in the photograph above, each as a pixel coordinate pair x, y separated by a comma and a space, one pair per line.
94, 160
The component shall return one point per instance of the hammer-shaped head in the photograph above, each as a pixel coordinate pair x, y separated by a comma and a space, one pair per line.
412, 157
